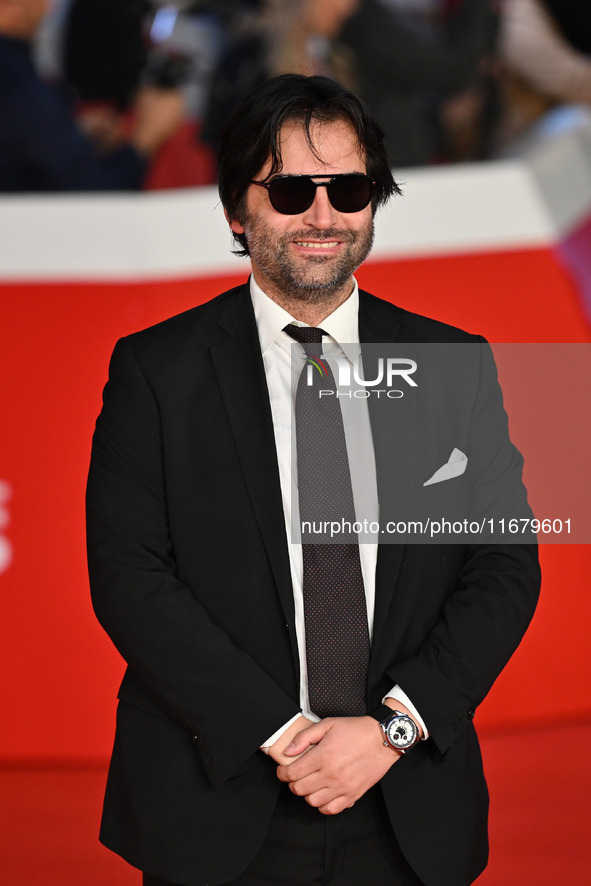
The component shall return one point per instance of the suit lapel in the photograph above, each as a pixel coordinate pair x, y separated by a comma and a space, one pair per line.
394, 453
240, 371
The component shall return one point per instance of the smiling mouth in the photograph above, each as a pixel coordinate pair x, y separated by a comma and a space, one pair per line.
315, 244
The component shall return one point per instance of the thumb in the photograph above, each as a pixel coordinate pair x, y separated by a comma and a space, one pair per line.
307, 737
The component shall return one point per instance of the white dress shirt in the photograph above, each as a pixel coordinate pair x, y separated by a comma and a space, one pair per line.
282, 373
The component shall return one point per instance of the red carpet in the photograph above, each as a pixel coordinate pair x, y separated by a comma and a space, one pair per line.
540, 817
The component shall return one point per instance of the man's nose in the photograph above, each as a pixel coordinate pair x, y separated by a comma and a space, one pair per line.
321, 213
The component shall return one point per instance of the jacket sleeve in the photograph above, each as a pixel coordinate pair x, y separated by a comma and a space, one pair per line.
478, 629
492, 598
189, 666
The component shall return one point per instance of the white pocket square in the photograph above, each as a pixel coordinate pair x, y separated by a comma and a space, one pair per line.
456, 465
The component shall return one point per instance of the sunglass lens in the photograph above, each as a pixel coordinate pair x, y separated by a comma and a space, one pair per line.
350, 193
292, 195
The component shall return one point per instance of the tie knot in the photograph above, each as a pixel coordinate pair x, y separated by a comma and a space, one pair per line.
306, 335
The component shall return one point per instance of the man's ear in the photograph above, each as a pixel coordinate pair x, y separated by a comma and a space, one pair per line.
235, 225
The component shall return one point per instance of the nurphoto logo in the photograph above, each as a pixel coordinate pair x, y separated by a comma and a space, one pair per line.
351, 381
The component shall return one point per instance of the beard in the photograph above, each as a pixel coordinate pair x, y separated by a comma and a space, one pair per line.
308, 278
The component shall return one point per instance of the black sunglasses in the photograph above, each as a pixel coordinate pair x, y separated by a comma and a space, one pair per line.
292, 194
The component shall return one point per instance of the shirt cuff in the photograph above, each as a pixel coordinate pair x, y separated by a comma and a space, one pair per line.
277, 735
398, 695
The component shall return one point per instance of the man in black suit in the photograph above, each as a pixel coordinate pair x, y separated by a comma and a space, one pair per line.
222, 770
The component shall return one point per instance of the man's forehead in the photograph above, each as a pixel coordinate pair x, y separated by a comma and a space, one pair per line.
318, 131
323, 142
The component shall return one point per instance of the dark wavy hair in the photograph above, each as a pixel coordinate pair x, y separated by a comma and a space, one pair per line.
251, 136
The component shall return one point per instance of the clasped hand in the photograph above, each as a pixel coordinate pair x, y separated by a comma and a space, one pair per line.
338, 760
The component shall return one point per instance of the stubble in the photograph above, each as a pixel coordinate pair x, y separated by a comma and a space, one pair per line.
307, 279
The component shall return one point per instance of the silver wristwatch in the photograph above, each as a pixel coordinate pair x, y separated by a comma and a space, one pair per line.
399, 730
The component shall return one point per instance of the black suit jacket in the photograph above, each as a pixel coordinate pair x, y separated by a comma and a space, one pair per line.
190, 577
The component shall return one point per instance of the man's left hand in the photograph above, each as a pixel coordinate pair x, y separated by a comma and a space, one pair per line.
346, 757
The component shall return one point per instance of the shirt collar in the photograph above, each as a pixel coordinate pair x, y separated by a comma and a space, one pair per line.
342, 325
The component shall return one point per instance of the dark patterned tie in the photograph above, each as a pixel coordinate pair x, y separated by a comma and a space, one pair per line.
335, 612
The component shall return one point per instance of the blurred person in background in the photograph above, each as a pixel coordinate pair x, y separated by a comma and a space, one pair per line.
41, 146
113, 46
422, 70
273, 37
545, 52
104, 51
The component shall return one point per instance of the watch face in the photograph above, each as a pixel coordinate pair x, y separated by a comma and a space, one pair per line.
401, 732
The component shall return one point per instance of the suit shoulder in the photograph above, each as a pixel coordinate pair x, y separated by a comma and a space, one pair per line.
414, 327
192, 326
